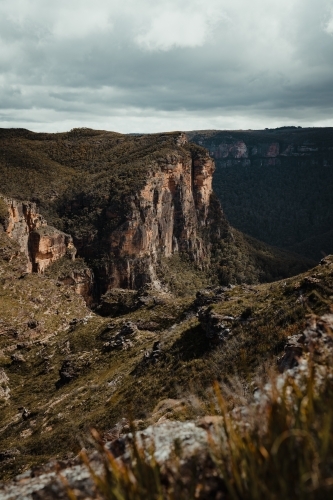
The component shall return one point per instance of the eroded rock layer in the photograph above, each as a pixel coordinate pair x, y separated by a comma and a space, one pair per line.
167, 217
42, 244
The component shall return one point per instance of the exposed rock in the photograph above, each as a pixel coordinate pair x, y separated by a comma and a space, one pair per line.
82, 280
17, 359
217, 327
8, 454
42, 244
45, 483
26, 414
4, 386
118, 343
166, 218
129, 328
67, 373
72, 366
317, 338
148, 325
32, 323
209, 296
154, 355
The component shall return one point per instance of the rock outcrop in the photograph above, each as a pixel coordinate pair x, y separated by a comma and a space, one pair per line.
167, 217
41, 244
4, 386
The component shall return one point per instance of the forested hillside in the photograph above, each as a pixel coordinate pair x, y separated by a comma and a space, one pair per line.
276, 185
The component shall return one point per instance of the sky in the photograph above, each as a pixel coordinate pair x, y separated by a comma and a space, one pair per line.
158, 65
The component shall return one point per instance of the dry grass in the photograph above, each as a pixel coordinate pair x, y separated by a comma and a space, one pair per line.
278, 447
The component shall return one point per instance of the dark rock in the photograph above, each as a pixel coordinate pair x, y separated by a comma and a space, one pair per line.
129, 328
118, 301
156, 346
209, 296
315, 339
8, 454
67, 373
26, 414
23, 345
291, 356
215, 325
117, 343
154, 355
74, 322
32, 323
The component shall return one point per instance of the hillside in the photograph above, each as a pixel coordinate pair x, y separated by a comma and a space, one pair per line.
276, 184
70, 368
128, 201
125, 292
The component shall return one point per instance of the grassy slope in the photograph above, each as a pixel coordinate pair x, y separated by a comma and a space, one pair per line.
116, 384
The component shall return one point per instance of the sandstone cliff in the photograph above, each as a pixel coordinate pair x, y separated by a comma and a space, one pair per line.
166, 217
41, 244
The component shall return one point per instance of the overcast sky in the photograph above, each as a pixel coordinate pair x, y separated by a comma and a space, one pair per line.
155, 65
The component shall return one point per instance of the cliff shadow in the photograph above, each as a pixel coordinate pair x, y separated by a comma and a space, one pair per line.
192, 344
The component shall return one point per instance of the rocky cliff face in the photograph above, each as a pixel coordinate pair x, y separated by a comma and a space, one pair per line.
42, 244
167, 216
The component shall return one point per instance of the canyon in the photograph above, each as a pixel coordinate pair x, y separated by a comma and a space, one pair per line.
125, 291
275, 184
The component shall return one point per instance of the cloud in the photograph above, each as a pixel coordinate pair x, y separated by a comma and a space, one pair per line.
328, 26
138, 65
180, 26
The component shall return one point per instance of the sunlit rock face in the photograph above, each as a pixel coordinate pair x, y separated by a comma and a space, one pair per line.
42, 244
166, 218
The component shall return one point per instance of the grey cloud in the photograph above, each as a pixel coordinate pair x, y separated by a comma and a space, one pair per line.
247, 68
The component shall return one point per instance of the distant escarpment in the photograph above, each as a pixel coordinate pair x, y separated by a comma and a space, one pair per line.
276, 184
131, 204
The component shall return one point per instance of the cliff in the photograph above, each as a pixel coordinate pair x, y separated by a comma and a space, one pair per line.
40, 243
276, 184
166, 217
128, 202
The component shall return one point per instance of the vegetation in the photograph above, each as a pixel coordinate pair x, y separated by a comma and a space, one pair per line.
283, 451
111, 385
283, 201
85, 182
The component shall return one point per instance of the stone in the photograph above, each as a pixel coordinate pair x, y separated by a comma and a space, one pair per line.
161, 440
67, 373
26, 414
154, 355
216, 326
117, 301
4, 386
40, 243
129, 328
166, 218
9, 454
32, 323
17, 359
151, 326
